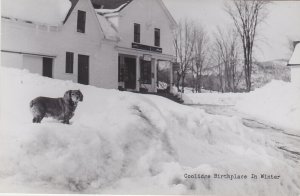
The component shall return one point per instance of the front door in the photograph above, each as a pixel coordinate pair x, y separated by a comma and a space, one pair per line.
83, 69
130, 72
47, 67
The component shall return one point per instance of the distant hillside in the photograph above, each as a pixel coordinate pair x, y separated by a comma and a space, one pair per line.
264, 72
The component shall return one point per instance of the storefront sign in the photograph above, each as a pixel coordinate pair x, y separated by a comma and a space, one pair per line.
145, 47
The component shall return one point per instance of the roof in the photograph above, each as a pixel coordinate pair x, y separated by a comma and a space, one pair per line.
169, 15
107, 28
109, 4
74, 3
295, 59
112, 7
103, 11
51, 12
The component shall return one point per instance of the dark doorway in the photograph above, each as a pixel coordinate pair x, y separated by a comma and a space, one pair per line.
47, 67
146, 72
83, 69
130, 73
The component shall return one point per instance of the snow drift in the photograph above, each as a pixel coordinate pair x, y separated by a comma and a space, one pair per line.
119, 142
277, 103
212, 98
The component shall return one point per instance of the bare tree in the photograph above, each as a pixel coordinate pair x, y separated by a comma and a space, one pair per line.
200, 57
234, 73
247, 15
184, 41
227, 58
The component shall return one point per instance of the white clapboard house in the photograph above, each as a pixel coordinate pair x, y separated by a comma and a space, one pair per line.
294, 63
105, 43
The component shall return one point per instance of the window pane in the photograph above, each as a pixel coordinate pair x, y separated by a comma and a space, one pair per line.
145, 72
69, 62
121, 69
81, 21
137, 32
157, 37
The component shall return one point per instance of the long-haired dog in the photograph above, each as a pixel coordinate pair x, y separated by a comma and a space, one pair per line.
62, 108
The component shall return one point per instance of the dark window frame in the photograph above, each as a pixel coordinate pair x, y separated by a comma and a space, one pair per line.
157, 37
69, 62
83, 69
146, 72
121, 69
137, 33
81, 21
48, 67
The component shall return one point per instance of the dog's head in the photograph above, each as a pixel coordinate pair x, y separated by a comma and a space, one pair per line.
74, 95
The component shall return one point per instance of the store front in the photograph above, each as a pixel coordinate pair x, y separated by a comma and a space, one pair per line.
137, 70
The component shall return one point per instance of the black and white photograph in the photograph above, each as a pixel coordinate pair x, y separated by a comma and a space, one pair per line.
150, 97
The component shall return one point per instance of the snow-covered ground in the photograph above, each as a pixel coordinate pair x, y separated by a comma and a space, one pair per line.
119, 142
276, 103
212, 98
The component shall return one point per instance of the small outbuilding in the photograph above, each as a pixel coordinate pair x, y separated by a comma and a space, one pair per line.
294, 63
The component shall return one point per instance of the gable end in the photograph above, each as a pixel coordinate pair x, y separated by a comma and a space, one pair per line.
74, 3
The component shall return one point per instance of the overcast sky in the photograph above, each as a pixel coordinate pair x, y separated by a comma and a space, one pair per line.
282, 23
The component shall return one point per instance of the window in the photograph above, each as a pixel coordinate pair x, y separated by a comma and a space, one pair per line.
47, 67
145, 72
69, 62
81, 21
137, 33
156, 37
83, 69
121, 69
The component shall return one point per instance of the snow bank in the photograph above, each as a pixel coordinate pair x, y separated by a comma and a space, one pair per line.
52, 12
119, 142
212, 98
277, 103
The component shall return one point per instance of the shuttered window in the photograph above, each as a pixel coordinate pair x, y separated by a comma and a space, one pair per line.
69, 62
156, 37
137, 33
81, 17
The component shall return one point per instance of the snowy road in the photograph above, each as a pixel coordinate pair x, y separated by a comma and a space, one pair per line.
284, 141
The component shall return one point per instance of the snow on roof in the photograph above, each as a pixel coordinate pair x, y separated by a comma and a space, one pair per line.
109, 4
109, 11
109, 31
52, 12
295, 59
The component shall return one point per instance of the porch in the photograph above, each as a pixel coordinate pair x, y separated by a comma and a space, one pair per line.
138, 71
